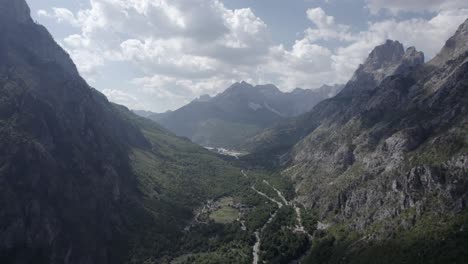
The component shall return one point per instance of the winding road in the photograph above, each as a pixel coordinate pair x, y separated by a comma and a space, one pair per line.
268, 197
284, 202
256, 247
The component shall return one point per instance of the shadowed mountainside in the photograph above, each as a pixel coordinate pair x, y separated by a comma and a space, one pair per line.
83, 180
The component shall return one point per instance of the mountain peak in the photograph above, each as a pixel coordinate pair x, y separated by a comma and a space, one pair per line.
411, 58
389, 53
19, 30
202, 98
241, 84
236, 88
247, 88
268, 88
454, 47
385, 60
15, 10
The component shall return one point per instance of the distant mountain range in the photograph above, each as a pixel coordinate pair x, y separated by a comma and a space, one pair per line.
238, 113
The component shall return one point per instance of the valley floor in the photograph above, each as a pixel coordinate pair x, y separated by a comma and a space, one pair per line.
299, 228
266, 225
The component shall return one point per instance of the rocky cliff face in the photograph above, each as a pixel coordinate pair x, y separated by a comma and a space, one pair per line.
17, 11
82, 180
385, 60
454, 48
19, 29
390, 151
63, 153
387, 131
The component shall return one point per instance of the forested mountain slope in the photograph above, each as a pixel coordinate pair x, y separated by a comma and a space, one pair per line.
83, 180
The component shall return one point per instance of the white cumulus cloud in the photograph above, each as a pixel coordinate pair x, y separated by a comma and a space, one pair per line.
180, 49
399, 6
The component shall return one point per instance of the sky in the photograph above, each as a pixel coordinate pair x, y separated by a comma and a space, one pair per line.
159, 55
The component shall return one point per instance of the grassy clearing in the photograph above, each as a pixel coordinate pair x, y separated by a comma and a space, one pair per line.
226, 213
